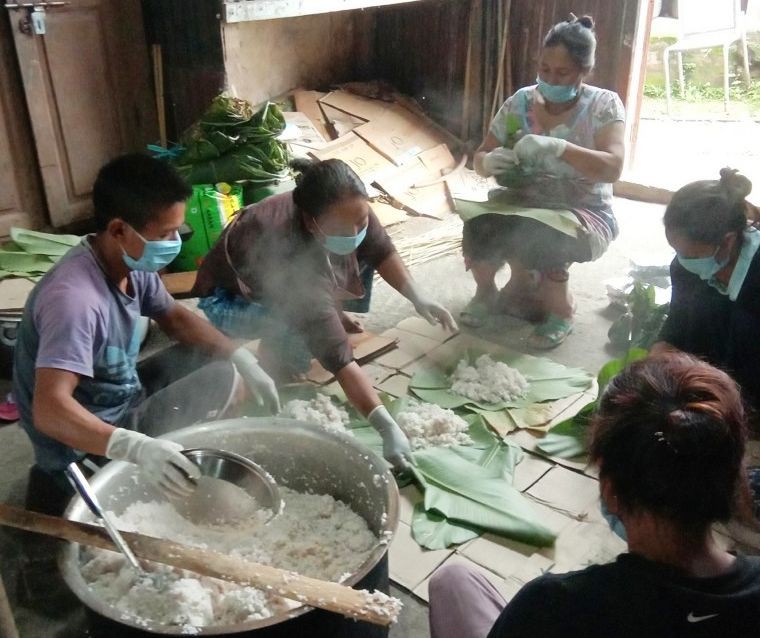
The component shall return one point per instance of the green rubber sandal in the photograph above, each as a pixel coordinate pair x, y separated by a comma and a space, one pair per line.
475, 313
551, 332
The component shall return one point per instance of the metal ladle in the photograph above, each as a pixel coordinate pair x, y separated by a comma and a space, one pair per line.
82, 486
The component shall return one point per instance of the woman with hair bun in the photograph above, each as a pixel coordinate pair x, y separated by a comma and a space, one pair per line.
557, 146
668, 438
715, 305
283, 269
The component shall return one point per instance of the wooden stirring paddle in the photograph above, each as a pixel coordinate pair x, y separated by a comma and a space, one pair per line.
376, 608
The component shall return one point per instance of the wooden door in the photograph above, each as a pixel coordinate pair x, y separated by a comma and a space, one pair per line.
21, 200
88, 93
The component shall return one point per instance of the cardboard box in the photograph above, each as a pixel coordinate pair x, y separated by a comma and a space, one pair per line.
194, 248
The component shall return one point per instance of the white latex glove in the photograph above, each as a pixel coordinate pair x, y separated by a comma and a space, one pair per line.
396, 449
499, 160
531, 147
256, 380
429, 309
160, 461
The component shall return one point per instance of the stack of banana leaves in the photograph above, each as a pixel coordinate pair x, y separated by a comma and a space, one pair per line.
231, 143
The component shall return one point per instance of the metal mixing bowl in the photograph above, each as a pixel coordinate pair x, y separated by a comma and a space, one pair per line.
238, 470
298, 456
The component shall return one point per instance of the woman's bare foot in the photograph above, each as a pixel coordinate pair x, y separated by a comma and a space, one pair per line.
351, 324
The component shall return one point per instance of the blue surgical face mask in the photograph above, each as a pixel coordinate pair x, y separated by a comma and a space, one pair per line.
341, 244
156, 254
704, 267
557, 93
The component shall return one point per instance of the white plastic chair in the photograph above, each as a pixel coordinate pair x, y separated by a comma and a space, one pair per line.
704, 24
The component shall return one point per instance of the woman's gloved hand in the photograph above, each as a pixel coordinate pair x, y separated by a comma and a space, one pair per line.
532, 147
396, 449
429, 309
159, 461
499, 161
258, 382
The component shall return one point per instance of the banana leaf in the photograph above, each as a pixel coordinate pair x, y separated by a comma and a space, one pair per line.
434, 531
226, 110
548, 381
569, 438
32, 241
23, 262
476, 496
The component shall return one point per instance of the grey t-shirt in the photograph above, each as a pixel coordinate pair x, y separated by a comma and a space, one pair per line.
77, 320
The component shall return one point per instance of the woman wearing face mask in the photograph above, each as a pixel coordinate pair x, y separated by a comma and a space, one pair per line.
715, 304
283, 268
564, 140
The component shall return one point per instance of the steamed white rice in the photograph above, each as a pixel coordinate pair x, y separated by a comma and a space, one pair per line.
319, 411
429, 425
488, 381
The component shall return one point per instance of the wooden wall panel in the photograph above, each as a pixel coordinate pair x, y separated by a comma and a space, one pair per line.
190, 35
422, 49
615, 27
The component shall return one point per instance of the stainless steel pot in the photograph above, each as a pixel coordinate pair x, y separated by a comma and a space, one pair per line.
298, 456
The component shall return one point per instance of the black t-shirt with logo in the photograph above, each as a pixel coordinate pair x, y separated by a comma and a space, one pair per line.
636, 597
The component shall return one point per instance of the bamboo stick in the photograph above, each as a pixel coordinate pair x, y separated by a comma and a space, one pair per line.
158, 82
376, 608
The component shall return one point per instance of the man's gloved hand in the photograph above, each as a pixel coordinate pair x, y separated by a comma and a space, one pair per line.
160, 461
532, 147
499, 160
256, 380
429, 309
396, 448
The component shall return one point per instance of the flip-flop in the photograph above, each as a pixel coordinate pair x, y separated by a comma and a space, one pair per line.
551, 332
9, 409
475, 313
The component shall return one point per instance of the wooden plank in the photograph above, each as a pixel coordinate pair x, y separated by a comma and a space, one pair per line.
179, 284
642, 192
247, 10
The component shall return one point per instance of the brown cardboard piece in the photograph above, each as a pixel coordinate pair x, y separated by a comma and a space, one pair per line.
362, 107
308, 133
387, 214
340, 122
430, 201
307, 103
366, 345
353, 150
399, 135
14, 292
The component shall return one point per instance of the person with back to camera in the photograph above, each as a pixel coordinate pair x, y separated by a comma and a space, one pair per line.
715, 304
282, 269
668, 438
558, 208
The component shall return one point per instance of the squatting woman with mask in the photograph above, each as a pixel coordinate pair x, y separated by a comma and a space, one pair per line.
557, 146
284, 268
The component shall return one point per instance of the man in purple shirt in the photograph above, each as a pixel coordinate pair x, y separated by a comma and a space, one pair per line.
76, 377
